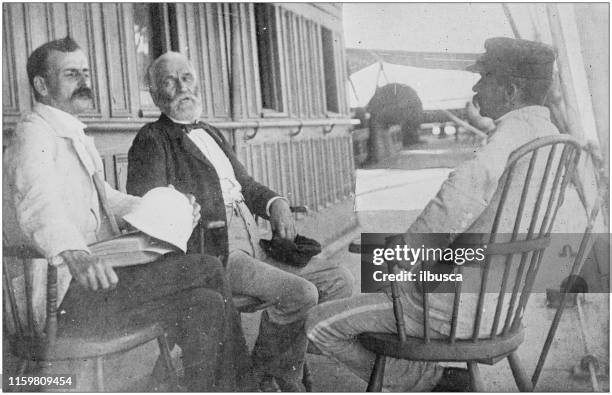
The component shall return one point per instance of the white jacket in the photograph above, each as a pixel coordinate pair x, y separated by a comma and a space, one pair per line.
49, 199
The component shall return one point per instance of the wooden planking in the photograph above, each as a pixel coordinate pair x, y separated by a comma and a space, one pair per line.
199, 52
21, 48
244, 63
114, 47
37, 24
293, 64
287, 49
121, 171
303, 63
316, 64
342, 75
285, 169
217, 61
316, 171
330, 17
58, 20
85, 24
10, 98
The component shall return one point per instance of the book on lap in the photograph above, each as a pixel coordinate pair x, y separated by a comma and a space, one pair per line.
134, 248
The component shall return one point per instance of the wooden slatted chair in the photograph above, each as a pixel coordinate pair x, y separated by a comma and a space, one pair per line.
502, 339
33, 348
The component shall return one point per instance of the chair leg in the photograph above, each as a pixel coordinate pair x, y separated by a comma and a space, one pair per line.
99, 366
378, 372
170, 371
475, 377
307, 378
523, 381
23, 367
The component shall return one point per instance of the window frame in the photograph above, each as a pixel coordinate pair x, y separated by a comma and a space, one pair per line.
279, 45
325, 48
164, 37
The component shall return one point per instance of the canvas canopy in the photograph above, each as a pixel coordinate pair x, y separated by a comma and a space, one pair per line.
437, 88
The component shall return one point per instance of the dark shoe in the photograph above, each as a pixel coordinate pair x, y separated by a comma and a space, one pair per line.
279, 352
454, 380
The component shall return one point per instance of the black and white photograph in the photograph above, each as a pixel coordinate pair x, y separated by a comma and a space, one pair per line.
305, 197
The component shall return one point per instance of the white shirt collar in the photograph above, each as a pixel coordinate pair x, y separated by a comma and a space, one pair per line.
528, 110
181, 122
63, 123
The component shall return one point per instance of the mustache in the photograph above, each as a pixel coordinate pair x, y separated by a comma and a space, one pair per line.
186, 96
82, 92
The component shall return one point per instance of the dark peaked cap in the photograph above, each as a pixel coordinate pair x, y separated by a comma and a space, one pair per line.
516, 58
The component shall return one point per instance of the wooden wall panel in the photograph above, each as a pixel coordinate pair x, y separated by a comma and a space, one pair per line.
293, 64
121, 171
304, 66
85, 26
249, 48
58, 20
317, 72
202, 37
115, 36
20, 50
341, 75
285, 169
37, 25
217, 61
198, 50
10, 80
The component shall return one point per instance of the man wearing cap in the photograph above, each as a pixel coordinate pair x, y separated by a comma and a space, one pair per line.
56, 201
196, 159
515, 78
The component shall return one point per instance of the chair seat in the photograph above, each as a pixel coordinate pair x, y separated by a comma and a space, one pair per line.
249, 304
68, 346
414, 348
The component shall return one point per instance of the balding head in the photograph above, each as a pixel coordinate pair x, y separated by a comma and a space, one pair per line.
173, 85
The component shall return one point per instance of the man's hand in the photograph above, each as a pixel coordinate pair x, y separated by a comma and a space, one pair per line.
196, 209
485, 124
281, 219
89, 271
194, 204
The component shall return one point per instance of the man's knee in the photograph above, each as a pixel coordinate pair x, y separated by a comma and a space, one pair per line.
307, 294
205, 270
338, 284
344, 282
209, 301
315, 327
209, 263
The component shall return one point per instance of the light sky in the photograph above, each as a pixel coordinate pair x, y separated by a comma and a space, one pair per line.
437, 27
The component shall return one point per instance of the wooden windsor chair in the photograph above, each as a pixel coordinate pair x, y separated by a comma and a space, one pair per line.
34, 348
504, 336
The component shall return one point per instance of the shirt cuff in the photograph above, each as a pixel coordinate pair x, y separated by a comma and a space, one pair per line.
272, 201
57, 260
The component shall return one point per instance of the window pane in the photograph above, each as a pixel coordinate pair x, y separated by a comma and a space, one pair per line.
268, 56
329, 69
143, 40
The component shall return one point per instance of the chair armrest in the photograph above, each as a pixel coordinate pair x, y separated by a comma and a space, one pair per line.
355, 246
208, 225
22, 252
299, 209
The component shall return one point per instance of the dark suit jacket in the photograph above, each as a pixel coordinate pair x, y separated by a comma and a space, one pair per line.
163, 154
